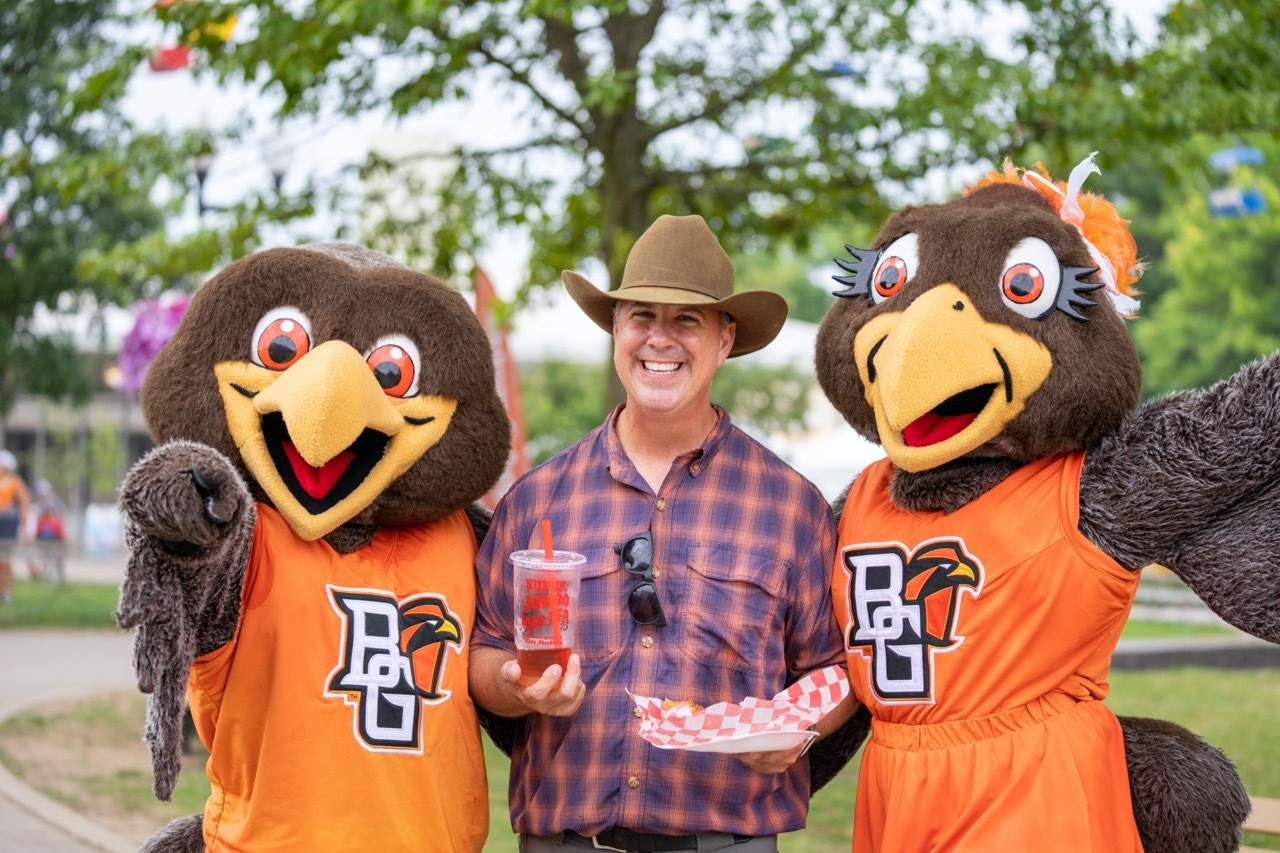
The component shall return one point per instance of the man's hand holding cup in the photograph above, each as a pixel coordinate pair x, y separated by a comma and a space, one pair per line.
551, 694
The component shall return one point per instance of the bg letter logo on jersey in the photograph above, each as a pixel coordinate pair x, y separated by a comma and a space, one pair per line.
904, 609
393, 660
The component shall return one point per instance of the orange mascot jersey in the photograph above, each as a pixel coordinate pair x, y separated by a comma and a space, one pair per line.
339, 717
981, 640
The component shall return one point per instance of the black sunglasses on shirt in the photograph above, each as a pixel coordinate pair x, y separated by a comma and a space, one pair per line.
637, 558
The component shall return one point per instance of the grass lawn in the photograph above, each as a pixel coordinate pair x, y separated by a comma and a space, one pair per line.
42, 604
89, 754
1143, 629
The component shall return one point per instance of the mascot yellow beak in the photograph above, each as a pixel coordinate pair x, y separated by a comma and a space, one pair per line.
942, 380
321, 437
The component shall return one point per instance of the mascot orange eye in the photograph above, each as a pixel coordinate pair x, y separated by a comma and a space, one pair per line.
891, 275
1022, 283
897, 266
282, 336
394, 362
1031, 279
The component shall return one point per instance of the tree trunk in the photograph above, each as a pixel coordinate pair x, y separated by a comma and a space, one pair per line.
624, 191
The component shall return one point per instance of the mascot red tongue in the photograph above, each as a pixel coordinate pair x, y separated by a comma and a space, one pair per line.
315, 617
931, 429
317, 482
987, 566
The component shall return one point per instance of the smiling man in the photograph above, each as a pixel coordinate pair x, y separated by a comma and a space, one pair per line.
706, 569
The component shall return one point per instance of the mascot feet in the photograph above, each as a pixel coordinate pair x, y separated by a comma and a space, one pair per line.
184, 835
1187, 795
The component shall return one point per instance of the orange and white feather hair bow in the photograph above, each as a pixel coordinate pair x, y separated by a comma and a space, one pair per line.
1105, 233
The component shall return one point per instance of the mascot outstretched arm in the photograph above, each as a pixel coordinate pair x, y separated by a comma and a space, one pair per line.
301, 554
987, 567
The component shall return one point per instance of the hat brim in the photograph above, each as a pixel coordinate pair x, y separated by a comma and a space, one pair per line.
759, 314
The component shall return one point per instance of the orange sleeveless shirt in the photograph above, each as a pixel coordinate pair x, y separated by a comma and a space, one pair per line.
339, 717
981, 642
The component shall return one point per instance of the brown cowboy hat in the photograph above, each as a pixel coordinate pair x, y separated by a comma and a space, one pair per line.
679, 262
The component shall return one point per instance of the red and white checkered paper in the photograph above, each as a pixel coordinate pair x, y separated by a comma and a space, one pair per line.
793, 710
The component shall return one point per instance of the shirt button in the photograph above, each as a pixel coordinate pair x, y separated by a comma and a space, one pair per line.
637, 712
662, 504
657, 572
633, 782
695, 467
646, 641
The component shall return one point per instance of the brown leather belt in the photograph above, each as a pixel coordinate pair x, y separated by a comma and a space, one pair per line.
621, 838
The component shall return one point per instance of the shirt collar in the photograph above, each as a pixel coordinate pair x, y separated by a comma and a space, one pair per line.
624, 470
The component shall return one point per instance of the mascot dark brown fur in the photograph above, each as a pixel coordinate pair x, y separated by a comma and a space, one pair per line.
302, 548
981, 343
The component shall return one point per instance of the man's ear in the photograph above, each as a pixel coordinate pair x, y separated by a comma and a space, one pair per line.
728, 332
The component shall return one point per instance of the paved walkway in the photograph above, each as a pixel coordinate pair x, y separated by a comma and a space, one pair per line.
40, 667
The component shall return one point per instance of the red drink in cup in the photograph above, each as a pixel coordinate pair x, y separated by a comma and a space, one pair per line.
546, 605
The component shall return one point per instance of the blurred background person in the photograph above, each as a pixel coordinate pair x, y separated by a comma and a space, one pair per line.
51, 533
15, 506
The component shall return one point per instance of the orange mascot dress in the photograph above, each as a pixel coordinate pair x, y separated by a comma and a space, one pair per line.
980, 640
317, 686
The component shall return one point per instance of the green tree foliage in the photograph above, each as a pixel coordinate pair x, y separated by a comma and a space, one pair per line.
767, 118
84, 199
1211, 71
803, 276
1219, 304
765, 399
764, 117
563, 401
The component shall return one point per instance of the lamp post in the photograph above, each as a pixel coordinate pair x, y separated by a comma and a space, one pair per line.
203, 163
277, 156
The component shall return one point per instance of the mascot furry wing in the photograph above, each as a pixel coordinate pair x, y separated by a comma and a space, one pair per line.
986, 568
302, 550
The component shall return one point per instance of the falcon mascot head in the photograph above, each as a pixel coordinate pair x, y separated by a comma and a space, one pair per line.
986, 328
346, 388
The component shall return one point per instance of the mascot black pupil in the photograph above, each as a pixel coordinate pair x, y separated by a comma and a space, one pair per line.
282, 349
1022, 284
889, 277
388, 374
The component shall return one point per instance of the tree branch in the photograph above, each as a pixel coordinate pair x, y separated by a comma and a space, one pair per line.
563, 39
629, 34
522, 77
548, 141
717, 103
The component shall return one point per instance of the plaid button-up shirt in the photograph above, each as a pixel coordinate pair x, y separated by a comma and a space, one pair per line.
742, 552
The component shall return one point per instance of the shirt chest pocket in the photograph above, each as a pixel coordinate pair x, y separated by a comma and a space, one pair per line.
733, 611
602, 607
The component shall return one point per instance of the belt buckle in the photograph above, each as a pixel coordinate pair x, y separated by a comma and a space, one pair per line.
595, 842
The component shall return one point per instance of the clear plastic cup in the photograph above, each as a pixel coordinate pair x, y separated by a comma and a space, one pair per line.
546, 609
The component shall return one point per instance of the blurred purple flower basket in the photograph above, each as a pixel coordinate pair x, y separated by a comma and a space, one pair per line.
157, 320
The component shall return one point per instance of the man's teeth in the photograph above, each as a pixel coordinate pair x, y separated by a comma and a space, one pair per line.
661, 366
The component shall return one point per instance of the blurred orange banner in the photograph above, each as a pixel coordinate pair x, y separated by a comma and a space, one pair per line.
508, 379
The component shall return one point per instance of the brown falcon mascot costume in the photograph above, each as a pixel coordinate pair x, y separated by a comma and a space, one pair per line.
986, 567
302, 548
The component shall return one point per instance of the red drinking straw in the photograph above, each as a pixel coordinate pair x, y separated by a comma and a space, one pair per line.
549, 553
